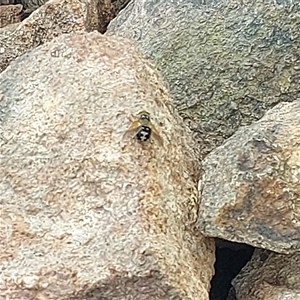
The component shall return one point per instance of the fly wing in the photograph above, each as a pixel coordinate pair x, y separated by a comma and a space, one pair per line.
131, 131
156, 136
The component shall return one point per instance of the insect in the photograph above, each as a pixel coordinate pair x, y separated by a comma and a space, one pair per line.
143, 130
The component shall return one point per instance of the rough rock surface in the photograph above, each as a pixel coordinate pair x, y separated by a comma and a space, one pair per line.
51, 20
250, 189
119, 5
269, 276
9, 14
84, 213
31, 4
226, 62
7, 2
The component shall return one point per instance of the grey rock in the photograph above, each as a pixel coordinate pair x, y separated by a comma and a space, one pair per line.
31, 4
86, 214
269, 276
226, 62
7, 2
250, 187
119, 5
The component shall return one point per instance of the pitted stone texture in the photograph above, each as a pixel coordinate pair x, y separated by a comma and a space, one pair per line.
84, 213
269, 276
54, 18
9, 14
250, 189
226, 62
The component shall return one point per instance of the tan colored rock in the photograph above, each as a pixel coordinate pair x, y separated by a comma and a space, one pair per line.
10, 14
54, 18
84, 213
250, 187
269, 277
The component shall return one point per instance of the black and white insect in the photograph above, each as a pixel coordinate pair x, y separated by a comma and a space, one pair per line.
143, 130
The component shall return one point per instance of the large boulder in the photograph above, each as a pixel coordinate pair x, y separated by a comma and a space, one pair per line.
226, 62
250, 190
86, 214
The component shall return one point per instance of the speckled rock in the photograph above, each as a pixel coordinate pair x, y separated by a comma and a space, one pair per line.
250, 187
51, 20
226, 61
86, 214
9, 14
269, 276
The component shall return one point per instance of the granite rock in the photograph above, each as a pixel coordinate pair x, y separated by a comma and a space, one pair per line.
86, 214
51, 20
226, 62
269, 276
10, 14
250, 189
